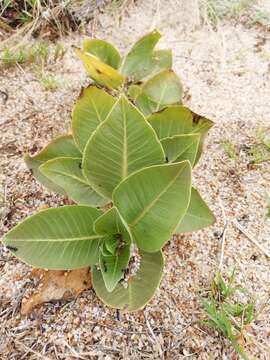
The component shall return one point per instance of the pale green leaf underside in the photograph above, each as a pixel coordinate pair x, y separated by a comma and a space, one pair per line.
152, 202
164, 88
100, 72
67, 173
198, 215
138, 60
201, 125
122, 144
181, 147
144, 104
179, 120
33, 165
90, 110
141, 287
113, 266
62, 146
60, 238
157, 93
173, 120
161, 60
105, 51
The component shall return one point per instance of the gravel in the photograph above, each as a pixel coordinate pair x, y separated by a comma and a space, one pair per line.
226, 78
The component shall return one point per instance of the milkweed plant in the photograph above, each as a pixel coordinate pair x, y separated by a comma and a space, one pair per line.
126, 165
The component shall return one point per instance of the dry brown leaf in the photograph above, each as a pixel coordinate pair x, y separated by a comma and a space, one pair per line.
56, 285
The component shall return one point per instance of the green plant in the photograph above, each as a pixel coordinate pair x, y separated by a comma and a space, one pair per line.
37, 54
260, 152
227, 315
260, 17
48, 82
225, 9
127, 164
230, 150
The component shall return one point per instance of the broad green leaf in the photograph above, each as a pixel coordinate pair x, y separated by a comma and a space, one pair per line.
178, 120
33, 165
122, 144
140, 288
181, 147
201, 125
103, 50
157, 93
62, 146
153, 63
90, 110
164, 88
173, 120
100, 72
113, 266
137, 62
161, 60
67, 173
153, 201
198, 215
60, 239
143, 103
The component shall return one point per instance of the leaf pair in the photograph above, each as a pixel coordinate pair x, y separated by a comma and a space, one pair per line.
101, 61
157, 93
104, 65
181, 132
59, 168
113, 262
115, 251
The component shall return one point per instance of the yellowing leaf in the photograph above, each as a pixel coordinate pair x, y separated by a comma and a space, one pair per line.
105, 51
100, 72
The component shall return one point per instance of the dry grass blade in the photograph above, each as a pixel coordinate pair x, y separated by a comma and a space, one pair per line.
250, 238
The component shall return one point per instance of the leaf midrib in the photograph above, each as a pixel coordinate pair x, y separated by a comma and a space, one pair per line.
124, 160
71, 176
153, 202
82, 238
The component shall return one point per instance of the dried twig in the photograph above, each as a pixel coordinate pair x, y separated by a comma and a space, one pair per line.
250, 238
223, 236
28, 349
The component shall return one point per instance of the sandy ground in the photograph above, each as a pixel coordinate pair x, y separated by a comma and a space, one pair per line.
226, 76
